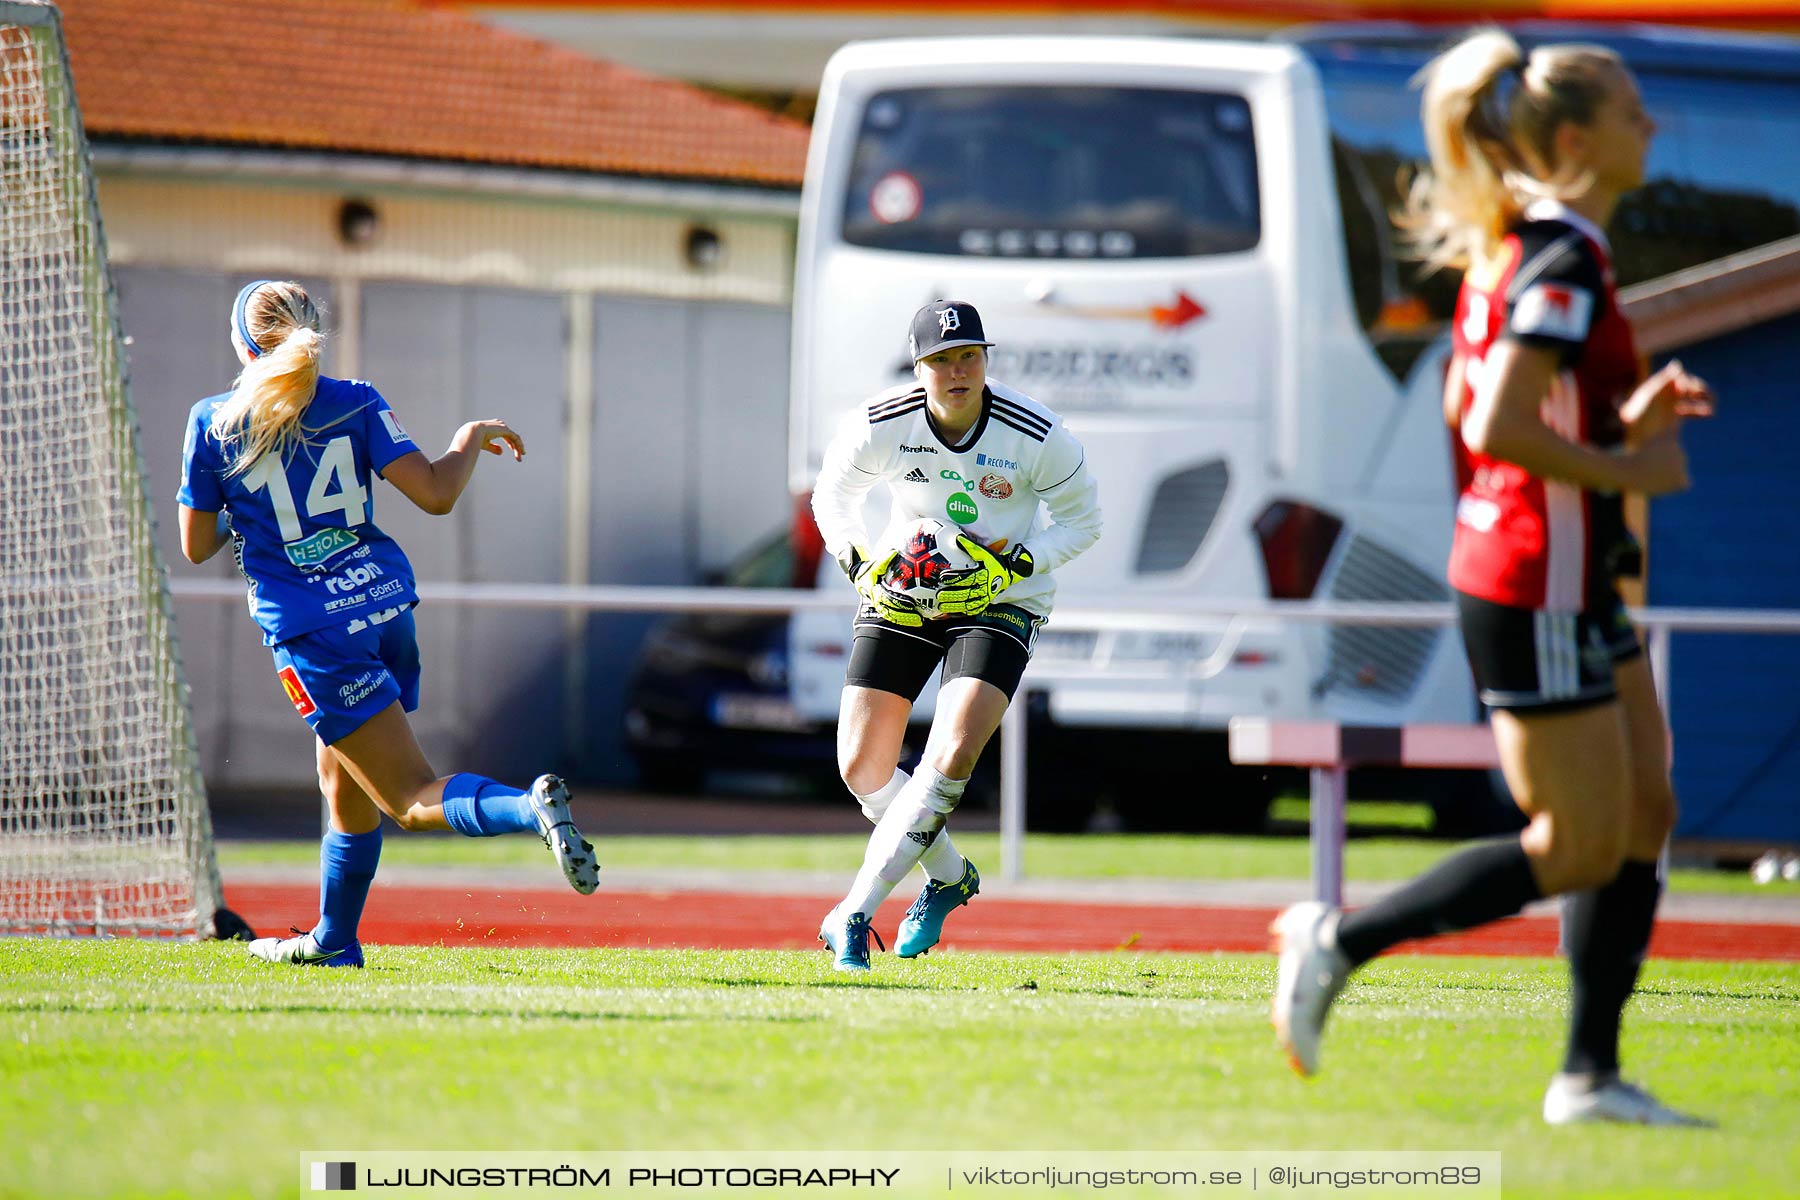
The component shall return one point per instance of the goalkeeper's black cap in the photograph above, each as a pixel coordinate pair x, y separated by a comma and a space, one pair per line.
943, 325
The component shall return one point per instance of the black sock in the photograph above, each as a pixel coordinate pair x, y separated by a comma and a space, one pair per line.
1477, 884
1605, 934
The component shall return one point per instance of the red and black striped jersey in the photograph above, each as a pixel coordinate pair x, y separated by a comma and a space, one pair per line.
1520, 539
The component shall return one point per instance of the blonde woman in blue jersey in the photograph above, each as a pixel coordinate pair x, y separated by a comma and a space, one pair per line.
282, 469
978, 455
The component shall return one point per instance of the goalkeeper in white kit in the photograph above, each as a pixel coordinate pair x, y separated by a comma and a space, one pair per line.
982, 458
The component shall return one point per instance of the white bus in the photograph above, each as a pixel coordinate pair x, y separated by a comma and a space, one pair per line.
1182, 245
1151, 231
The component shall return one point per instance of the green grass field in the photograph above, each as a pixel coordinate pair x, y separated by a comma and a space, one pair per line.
134, 1068
1048, 856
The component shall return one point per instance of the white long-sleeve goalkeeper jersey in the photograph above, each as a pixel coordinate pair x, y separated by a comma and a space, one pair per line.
991, 483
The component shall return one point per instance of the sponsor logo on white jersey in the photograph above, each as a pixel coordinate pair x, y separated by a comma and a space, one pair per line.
916, 476
1554, 310
1004, 464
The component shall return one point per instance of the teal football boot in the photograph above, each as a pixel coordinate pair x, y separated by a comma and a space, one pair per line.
923, 924
848, 940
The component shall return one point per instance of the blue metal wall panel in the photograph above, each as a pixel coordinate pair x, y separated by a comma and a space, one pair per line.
1732, 541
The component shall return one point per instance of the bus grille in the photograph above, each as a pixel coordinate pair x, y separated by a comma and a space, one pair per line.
1181, 514
1386, 661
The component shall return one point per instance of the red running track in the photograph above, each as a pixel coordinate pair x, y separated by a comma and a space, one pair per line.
459, 916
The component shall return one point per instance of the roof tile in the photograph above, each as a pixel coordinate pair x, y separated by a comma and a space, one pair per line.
387, 77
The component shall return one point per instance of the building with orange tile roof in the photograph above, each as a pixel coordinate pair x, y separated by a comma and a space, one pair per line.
494, 226
386, 77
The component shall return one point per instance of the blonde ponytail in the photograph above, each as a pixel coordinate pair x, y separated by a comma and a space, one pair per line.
1490, 117
1460, 208
279, 324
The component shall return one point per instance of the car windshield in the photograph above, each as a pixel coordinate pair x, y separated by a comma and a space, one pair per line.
1054, 172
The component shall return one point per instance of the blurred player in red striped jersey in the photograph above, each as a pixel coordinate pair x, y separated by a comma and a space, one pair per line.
1554, 423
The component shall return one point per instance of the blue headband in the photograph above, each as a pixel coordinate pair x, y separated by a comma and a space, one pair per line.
237, 316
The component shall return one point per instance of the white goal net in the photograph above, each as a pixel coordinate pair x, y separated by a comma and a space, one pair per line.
103, 819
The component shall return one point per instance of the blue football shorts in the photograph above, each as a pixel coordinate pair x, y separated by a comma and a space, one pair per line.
338, 678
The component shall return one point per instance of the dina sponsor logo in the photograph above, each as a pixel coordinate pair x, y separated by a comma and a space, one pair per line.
994, 487
961, 509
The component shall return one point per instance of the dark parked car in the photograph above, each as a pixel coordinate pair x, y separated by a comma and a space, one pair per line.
709, 692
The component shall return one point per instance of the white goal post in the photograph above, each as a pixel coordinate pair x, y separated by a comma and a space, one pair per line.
103, 819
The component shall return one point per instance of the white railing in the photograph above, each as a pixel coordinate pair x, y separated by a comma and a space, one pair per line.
1660, 623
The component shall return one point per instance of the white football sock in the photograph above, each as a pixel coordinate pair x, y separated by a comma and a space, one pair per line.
943, 861
876, 802
902, 836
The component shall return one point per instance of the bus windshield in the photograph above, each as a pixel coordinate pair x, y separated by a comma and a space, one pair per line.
1087, 172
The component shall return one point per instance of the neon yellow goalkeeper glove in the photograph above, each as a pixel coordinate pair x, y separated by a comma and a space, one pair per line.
865, 575
994, 573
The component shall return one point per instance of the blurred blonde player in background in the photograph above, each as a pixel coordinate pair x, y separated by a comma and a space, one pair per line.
1554, 422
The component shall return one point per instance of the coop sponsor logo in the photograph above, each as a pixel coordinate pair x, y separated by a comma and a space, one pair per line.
321, 546
995, 487
296, 691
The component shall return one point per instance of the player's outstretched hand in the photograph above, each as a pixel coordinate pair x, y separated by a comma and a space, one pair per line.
493, 436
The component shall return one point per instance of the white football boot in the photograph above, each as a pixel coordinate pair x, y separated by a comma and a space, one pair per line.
1309, 974
1575, 1099
303, 951
574, 854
